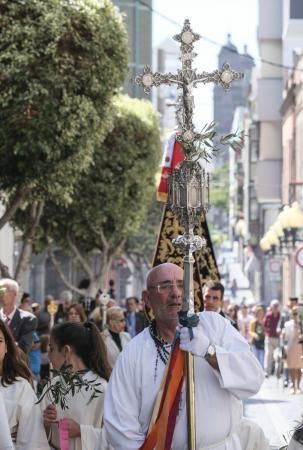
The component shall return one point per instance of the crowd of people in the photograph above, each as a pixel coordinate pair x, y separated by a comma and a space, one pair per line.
99, 373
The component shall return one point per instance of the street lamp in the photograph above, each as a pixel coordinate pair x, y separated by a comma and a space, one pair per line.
291, 221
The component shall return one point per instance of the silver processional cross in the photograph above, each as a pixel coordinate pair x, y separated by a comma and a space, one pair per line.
189, 184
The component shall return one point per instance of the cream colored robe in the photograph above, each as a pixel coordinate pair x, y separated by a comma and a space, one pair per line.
112, 349
24, 416
88, 414
135, 382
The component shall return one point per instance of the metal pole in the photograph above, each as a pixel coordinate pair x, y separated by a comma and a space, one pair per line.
189, 359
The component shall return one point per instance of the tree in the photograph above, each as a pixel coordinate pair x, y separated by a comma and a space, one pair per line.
111, 200
61, 61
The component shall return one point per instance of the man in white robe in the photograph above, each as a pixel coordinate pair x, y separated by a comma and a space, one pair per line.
223, 376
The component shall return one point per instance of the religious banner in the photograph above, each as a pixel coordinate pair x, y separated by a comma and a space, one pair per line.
205, 266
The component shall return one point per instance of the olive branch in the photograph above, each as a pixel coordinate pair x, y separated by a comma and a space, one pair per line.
68, 382
207, 143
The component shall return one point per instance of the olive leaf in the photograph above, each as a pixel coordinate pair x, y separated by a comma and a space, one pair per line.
68, 382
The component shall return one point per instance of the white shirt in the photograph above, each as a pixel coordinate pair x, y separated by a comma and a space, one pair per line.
7, 317
133, 389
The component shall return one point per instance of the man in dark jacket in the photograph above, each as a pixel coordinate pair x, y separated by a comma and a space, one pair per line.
21, 323
213, 292
135, 320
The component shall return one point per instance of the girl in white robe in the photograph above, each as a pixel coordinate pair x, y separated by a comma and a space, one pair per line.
6, 441
23, 414
81, 347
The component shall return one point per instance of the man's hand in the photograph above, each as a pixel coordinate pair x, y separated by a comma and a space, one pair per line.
198, 345
73, 429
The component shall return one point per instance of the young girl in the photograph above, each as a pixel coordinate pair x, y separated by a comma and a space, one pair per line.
24, 416
81, 347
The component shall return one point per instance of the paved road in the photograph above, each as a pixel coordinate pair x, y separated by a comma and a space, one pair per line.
275, 410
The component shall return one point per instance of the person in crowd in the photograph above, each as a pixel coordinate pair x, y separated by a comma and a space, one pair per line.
6, 442
21, 323
256, 334
213, 293
234, 288
97, 315
81, 347
24, 416
293, 348
63, 303
114, 337
226, 372
45, 366
75, 313
271, 331
225, 304
232, 312
285, 316
135, 320
244, 319
34, 358
44, 317
26, 302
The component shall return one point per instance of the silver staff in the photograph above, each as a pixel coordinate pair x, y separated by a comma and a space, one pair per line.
189, 184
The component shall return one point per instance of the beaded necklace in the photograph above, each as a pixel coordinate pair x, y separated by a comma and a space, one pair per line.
163, 348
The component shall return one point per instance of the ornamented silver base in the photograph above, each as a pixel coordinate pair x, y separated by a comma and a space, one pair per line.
189, 242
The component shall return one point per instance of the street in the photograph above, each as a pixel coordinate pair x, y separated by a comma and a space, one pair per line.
275, 410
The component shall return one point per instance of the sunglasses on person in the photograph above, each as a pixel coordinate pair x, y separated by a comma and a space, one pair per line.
119, 320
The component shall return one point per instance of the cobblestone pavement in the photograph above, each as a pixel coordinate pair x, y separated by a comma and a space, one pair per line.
275, 410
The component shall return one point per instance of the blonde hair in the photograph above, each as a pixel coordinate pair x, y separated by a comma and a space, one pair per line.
112, 313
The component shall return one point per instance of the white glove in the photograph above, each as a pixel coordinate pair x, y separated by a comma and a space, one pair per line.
198, 345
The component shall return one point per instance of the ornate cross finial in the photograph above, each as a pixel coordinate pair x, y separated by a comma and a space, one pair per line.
186, 79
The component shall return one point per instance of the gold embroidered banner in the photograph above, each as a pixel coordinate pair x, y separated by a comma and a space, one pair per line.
205, 267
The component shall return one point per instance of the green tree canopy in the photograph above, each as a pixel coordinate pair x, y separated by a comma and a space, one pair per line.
111, 200
61, 61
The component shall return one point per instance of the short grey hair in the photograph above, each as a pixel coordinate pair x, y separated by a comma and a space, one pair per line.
11, 284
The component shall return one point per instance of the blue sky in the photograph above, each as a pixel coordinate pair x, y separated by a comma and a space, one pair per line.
213, 19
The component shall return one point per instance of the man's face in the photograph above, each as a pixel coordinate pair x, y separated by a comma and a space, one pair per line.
212, 299
131, 305
164, 292
7, 297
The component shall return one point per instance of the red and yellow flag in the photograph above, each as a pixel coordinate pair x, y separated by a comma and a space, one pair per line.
161, 433
172, 156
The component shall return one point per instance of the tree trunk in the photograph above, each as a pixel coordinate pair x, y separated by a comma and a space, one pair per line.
10, 210
61, 274
36, 211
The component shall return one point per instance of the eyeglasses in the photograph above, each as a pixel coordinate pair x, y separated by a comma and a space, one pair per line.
167, 286
119, 320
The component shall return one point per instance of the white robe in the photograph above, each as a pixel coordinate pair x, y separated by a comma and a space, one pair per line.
88, 414
5, 440
112, 349
133, 389
24, 416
